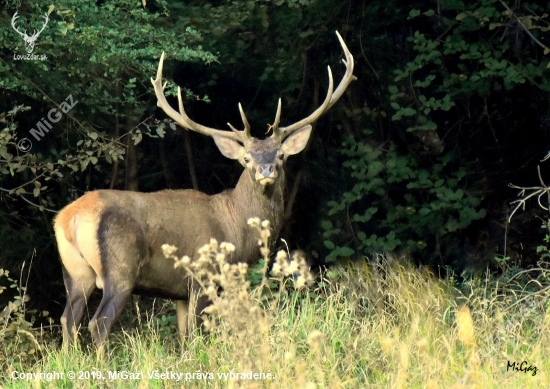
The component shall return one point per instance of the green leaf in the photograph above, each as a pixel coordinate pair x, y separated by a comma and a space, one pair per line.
326, 224
413, 13
160, 130
408, 111
345, 251
461, 16
424, 211
328, 244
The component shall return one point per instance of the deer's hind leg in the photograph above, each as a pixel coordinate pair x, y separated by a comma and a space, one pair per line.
123, 248
79, 277
78, 292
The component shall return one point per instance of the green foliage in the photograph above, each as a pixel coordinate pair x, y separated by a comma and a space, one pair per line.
165, 325
544, 249
19, 339
103, 56
257, 275
502, 260
458, 71
465, 68
470, 59
15, 163
106, 48
396, 202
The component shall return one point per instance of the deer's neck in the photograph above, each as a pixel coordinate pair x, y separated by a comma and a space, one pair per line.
253, 200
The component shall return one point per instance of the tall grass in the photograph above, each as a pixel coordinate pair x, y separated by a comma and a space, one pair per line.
376, 324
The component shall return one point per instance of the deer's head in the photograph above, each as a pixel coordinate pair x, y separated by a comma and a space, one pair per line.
262, 158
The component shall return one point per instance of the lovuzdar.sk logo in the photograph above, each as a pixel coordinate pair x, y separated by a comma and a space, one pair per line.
30, 40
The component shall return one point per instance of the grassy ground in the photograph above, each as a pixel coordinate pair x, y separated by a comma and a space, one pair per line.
382, 324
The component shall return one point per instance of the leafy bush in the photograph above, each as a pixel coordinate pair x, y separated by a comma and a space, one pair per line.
398, 202
466, 62
21, 342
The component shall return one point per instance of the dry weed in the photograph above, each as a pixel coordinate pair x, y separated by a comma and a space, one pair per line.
235, 315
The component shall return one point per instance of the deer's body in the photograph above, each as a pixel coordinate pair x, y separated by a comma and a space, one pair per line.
112, 239
185, 218
91, 230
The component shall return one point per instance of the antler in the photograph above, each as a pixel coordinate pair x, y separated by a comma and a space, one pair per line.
183, 120
46, 20
329, 101
13, 19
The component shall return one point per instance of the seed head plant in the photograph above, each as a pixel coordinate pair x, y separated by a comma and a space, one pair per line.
235, 315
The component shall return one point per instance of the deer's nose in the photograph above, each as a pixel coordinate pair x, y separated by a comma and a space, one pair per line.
266, 170
266, 174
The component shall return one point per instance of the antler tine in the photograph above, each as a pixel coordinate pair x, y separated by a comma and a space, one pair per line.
246, 130
181, 117
331, 98
348, 76
275, 125
232, 128
286, 131
245, 121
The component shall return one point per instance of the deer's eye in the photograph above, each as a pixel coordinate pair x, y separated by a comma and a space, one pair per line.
281, 156
246, 159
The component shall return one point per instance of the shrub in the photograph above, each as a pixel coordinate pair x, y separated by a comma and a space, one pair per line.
398, 202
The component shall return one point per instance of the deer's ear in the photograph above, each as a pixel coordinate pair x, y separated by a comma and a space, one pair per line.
228, 147
297, 141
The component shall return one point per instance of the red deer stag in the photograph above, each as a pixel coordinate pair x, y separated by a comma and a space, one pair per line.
112, 239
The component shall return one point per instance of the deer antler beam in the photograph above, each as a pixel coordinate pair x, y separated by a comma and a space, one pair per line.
183, 120
330, 100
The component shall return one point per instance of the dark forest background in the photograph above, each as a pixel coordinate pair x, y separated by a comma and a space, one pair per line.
451, 105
